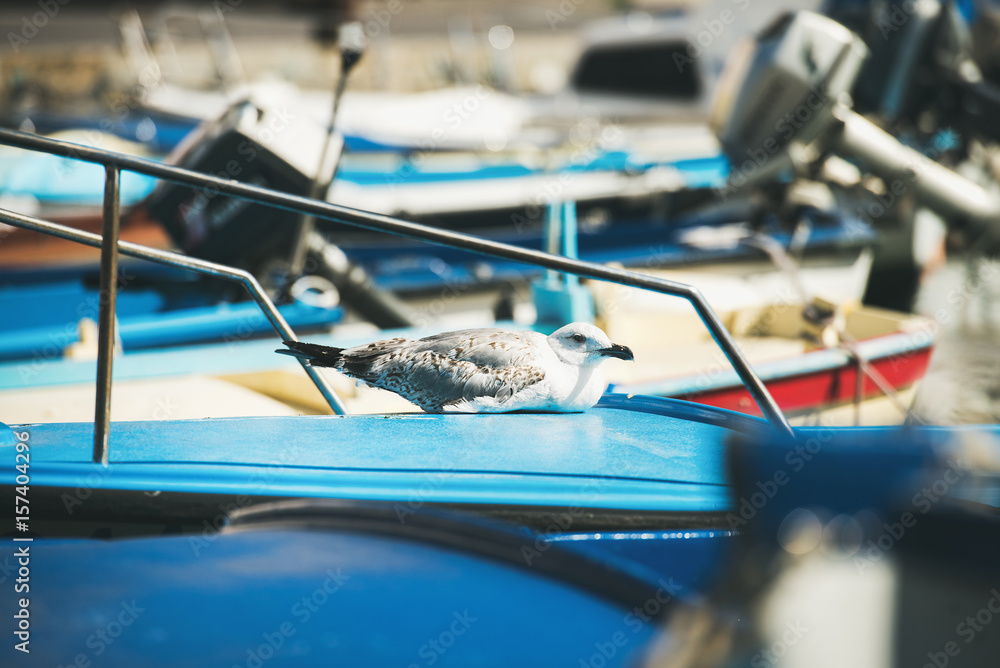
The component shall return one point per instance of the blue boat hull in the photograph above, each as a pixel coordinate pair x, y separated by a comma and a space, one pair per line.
155, 308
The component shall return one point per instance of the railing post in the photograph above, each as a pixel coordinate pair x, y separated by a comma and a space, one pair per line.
106, 317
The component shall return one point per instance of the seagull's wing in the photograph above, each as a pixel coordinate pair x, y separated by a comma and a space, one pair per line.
446, 369
496, 348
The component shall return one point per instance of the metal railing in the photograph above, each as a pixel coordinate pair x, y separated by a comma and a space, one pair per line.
111, 246
109, 292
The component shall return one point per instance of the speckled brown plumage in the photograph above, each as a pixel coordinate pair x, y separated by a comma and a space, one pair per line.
480, 370
437, 371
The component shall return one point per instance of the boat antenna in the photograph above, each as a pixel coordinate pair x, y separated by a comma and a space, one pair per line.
351, 43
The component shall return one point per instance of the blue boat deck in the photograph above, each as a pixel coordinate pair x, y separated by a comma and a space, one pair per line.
621, 456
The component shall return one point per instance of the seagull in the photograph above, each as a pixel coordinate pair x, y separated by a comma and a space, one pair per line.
480, 370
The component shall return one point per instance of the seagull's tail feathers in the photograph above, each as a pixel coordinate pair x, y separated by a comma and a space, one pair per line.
314, 353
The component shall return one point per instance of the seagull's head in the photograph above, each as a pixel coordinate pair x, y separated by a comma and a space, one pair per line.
582, 344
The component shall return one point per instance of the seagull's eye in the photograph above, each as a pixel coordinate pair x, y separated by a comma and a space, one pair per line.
579, 338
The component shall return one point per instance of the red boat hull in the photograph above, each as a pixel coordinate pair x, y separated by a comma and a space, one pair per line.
823, 389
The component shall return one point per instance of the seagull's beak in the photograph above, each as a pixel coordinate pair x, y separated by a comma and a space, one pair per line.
621, 352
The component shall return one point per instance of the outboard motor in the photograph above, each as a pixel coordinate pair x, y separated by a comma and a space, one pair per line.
783, 107
272, 148
786, 105
779, 91
922, 75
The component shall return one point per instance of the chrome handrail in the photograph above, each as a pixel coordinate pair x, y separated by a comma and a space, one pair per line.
382, 223
110, 227
168, 258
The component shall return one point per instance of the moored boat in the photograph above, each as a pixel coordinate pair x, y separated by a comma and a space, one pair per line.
643, 530
631, 521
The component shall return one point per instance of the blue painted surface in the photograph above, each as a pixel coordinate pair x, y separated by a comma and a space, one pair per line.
559, 298
168, 129
129, 268
409, 266
702, 172
216, 322
884, 482
235, 355
160, 132
846, 470
683, 562
686, 410
369, 601
53, 179
45, 304
172, 313
63, 180
606, 457
47, 368
362, 144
